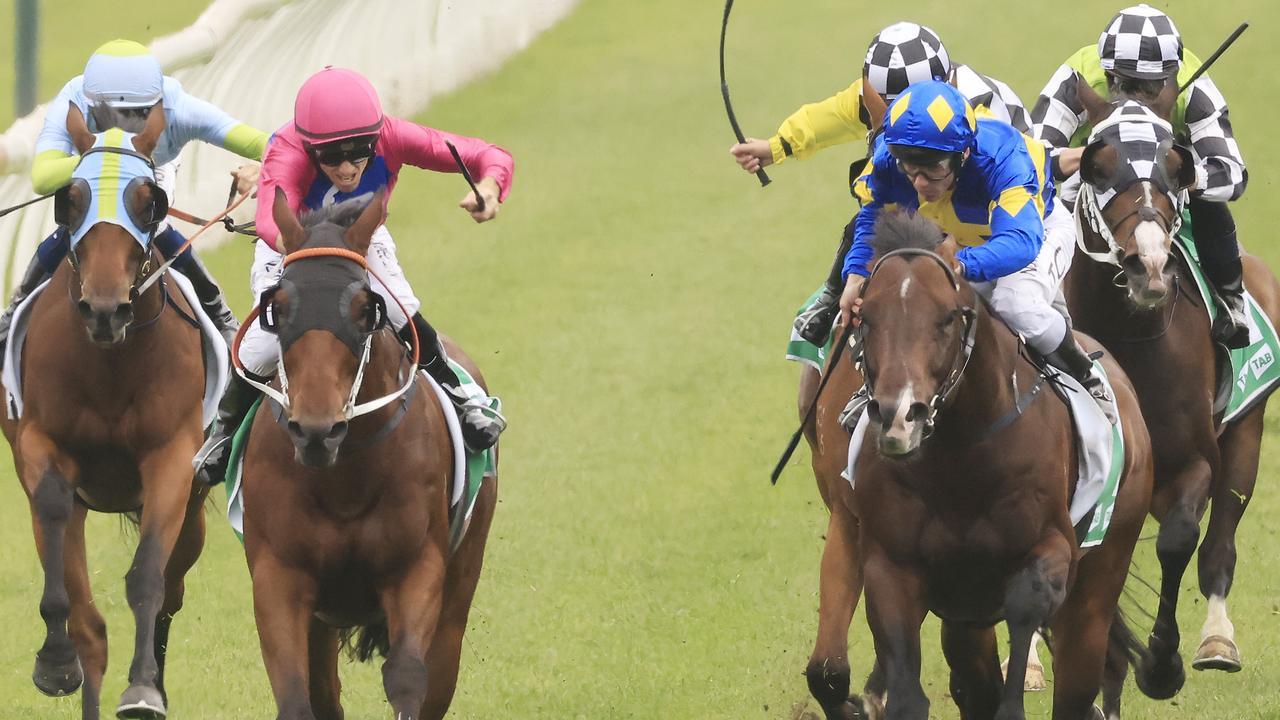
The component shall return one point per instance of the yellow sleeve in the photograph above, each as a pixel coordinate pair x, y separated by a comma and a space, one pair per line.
246, 141
51, 170
819, 125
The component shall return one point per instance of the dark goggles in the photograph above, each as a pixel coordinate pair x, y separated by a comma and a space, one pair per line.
354, 151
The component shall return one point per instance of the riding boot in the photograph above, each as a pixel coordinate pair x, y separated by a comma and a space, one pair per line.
1070, 358
210, 296
1214, 231
481, 424
814, 324
210, 462
31, 279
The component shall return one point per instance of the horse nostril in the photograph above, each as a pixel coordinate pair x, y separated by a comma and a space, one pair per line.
916, 411
295, 429
124, 312
1133, 264
85, 310
338, 431
873, 411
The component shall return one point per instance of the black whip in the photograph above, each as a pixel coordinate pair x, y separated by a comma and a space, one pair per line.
466, 174
813, 406
724, 91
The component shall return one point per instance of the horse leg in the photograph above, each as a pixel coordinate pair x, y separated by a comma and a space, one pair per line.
48, 476
166, 490
895, 610
840, 586
461, 578
283, 606
1034, 682
87, 628
1032, 596
326, 687
412, 609
185, 553
1241, 444
975, 669
1162, 676
1116, 669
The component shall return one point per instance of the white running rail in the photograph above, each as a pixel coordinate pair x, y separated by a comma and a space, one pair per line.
250, 56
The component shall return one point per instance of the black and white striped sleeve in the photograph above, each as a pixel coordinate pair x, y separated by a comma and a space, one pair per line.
985, 91
1220, 170
1058, 111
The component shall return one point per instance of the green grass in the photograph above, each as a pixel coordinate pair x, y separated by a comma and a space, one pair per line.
631, 305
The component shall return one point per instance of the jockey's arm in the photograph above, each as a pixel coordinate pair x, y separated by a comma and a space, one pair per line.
201, 120
1220, 171
1017, 224
285, 165
819, 125
56, 157
869, 189
424, 147
1055, 118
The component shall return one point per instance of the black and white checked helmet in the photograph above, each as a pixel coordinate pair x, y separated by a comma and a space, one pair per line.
903, 54
1141, 42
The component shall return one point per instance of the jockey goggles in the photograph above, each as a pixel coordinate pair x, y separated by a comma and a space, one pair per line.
352, 150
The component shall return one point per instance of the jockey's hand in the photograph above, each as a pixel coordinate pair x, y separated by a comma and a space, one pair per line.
752, 154
247, 178
851, 300
1069, 161
489, 190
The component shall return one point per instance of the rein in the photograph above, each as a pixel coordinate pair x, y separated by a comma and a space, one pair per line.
1088, 214
961, 360
351, 410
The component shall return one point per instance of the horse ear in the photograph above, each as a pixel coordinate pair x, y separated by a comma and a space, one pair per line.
1182, 165
81, 138
145, 141
291, 232
1168, 97
875, 105
360, 234
1096, 162
1095, 107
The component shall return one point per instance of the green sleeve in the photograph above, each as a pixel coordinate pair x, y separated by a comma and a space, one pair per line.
51, 170
246, 141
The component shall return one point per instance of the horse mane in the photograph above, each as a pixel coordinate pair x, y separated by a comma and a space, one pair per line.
342, 214
897, 230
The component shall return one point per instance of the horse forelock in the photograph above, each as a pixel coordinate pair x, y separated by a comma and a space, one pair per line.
342, 214
899, 230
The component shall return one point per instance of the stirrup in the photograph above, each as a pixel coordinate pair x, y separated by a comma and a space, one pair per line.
852, 412
814, 324
207, 460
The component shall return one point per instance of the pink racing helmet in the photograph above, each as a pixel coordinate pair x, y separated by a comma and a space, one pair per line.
335, 104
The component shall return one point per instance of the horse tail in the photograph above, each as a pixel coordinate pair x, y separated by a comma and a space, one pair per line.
365, 641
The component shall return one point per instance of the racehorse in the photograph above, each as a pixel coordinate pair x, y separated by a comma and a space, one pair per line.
111, 419
1142, 304
346, 521
962, 488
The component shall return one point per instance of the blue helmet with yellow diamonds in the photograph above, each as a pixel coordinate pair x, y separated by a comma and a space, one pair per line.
930, 115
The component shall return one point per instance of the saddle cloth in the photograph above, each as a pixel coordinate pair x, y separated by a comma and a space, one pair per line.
214, 348
1099, 448
470, 469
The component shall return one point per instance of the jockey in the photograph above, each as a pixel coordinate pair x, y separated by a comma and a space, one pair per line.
122, 82
984, 184
1138, 52
340, 146
899, 55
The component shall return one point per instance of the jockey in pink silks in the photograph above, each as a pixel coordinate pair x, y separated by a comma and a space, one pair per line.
340, 146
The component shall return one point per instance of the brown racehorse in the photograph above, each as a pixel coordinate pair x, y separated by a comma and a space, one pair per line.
346, 517
971, 522
1155, 325
111, 420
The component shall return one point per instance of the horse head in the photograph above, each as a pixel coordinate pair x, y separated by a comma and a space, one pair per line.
916, 330
110, 211
324, 313
1133, 174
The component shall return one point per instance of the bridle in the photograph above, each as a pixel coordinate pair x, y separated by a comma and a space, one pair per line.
1089, 214
351, 410
968, 314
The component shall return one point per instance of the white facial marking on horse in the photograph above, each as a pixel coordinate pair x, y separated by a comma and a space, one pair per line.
900, 433
906, 284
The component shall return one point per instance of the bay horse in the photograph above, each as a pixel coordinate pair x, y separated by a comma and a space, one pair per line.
111, 419
346, 522
962, 489
1141, 303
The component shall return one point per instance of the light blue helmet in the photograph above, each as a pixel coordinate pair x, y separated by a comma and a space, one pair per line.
123, 74
932, 115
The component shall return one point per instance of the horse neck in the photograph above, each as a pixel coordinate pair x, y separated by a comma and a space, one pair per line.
985, 391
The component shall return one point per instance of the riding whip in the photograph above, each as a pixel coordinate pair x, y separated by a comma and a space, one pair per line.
466, 174
724, 91
19, 206
813, 406
1216, 53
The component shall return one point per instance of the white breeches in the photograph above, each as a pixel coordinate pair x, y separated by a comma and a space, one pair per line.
1025, 299
167, 179
259, 349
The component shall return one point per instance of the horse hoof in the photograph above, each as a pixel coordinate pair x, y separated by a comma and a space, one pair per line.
1217, 653
1034, 681
1098, 714
1160, 678
56, 679
141, 702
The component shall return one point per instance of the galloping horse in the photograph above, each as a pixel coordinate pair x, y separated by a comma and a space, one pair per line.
1155, 325
963, 483
111, 419
346, 514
